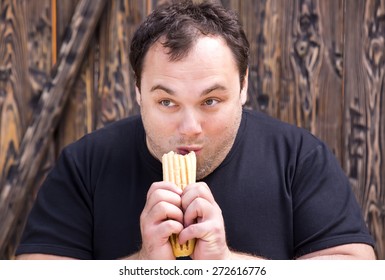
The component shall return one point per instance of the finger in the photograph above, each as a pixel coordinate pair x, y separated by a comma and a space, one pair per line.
165, 195
161, 221
199, 211
155, 240
194, 191
166, 228
163, 211
204, 231
164, 185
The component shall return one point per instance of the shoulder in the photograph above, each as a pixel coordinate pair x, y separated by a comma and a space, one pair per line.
122, 131
114, 140
269, 124
271, 131
122, 128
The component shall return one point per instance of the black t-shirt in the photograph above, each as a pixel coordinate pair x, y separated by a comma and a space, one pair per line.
281, 191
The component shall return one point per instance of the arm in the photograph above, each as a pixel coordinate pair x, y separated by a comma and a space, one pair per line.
41, 257
60, 222
203, 220
354, 251
199, 205
161, 217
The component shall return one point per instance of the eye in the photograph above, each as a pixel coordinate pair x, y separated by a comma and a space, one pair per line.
210, 102
166, 103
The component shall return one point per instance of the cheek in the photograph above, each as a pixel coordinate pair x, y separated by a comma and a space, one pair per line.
158, 126
223, 121
215, 127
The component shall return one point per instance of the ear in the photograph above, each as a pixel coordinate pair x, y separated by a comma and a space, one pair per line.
244, 88
138, 96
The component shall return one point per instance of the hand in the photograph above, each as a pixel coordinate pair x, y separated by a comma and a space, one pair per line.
161, 216
203, 220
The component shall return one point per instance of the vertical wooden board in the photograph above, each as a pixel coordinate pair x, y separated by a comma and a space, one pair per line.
267, 24
78, 116
305, 56
115, 82
268, 58
286, 99
308, 86
37, 15
64, 12
377, 220
364, 110
261, 21
24, 67
374, 73
135, 12
20, 182
24, 64
256, 18
328, 82
38, 19
15, 91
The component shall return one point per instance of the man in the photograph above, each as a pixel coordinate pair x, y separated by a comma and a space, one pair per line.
266, 189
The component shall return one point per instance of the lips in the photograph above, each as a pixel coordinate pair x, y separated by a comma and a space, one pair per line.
186, 150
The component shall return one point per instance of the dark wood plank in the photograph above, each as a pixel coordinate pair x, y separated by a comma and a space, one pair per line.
37, 15
14, 86
25, 40
318, 64
19, 180
76, 118
296, 62
364, 111
115, 82
329, 80
306, 60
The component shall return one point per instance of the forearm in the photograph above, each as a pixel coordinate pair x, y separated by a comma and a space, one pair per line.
243, 256
135, 256
42, 257
343, 252
231, 256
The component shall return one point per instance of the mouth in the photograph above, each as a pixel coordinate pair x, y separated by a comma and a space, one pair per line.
185, 150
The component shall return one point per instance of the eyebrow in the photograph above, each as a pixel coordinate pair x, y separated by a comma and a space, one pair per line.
172, 92
163, 88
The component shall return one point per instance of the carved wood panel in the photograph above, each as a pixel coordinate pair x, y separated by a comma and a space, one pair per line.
318, 64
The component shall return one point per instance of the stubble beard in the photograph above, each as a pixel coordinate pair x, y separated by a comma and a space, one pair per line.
212, 159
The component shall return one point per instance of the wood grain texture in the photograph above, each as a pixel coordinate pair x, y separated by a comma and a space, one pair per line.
305, 59
374, 72
296, 62
37, 15
329, 81
298, 73
14, 89
19, 181
114, 68
17, 84
364, 110
318, 64
75, 120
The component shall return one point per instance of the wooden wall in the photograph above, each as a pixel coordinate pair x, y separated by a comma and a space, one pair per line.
319, 64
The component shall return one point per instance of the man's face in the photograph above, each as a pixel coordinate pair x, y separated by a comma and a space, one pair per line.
193, 104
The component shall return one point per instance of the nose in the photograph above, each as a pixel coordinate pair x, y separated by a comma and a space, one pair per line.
190, 123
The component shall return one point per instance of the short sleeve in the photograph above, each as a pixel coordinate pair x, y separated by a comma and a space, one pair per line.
325, 210
60, 222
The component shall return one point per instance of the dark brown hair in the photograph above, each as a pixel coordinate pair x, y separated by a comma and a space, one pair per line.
180, 25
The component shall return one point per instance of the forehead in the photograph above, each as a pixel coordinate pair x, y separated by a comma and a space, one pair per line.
208, 52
